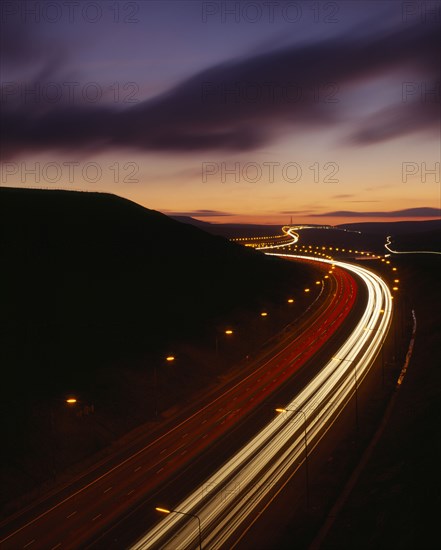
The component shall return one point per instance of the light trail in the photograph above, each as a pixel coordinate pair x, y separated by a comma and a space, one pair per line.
230, 497
388, 243
288, 231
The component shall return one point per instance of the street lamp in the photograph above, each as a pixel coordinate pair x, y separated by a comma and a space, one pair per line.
306, 447
165, 511
70, 401
227, 332
169, 359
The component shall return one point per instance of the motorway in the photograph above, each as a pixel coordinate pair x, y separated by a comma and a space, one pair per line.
78, 517
388, 243
288, 231
245, 483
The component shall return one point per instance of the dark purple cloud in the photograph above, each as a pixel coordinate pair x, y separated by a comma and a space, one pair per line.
246, 102
422, 212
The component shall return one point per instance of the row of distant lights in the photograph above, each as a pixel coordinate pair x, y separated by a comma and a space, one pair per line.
228, 332
290, 301
239, 239
310, 250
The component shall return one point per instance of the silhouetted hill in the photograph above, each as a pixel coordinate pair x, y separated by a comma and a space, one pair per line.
88, 278
192, 221
230, 230
394, 228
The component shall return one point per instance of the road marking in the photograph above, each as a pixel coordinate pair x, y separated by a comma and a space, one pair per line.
160, 470
185, 435
29, 543
56, 546
203, 421
137, 469
184, 451
72, 514
119, 465
163, 451
108, 489
96, 517
130, 492
204, 436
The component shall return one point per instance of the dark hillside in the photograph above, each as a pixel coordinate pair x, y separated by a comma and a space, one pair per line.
88, 278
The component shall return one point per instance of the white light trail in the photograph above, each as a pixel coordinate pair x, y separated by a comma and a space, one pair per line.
388, 243
288, 231
243, 483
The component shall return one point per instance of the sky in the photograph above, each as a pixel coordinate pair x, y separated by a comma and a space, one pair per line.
245, 112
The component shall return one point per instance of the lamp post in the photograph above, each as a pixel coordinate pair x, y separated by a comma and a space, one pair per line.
166, 511
306, 447
227, 332
70, 402
169, 359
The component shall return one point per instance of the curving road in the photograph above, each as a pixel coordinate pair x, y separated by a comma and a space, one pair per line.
389, 242
246, 481
289, 231
76, 518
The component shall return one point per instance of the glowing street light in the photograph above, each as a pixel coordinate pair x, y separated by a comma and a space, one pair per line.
264, 314
71, 400
165, 511
168, 359
290, 300
227, 332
